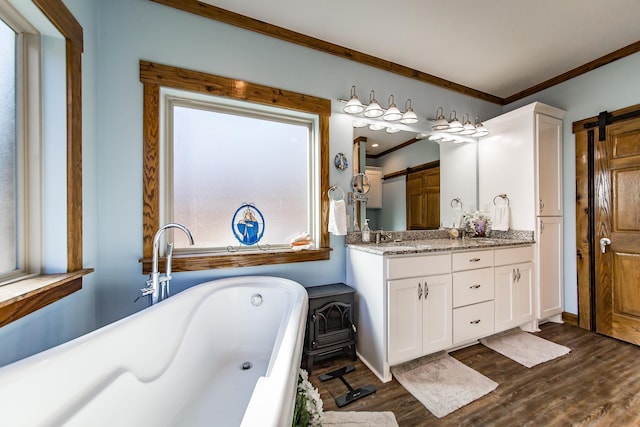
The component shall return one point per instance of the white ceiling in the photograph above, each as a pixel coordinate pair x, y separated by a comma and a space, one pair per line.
500, 47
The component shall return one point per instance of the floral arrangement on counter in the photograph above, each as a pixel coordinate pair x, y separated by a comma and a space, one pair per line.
477, 223
308, 407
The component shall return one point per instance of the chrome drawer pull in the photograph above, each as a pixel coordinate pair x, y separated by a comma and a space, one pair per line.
474, 260
474, 286
475, 322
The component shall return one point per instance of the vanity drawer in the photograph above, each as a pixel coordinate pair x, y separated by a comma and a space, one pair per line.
470, 287
514, 255
473, 259
413, 266
472, 322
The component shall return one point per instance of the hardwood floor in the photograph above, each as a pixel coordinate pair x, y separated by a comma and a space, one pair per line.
597, 384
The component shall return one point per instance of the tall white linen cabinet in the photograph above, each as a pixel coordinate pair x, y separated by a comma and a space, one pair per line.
522, 159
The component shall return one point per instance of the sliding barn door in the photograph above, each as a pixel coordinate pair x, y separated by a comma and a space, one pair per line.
617, 231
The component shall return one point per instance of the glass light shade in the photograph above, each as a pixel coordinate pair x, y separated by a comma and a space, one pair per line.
392, 130
392, 114
354, 106
361, 124
468, 129
435, 137
454, 125
373, 110
409, 117
441, 123
376, 126
480, 131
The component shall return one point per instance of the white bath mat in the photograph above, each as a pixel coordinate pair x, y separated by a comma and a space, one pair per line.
442, 383
525, 348
359, 419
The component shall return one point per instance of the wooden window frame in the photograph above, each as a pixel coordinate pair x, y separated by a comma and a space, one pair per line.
155, 76
28, 295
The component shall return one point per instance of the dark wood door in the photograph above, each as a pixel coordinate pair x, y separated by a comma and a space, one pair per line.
423, 199
617, 231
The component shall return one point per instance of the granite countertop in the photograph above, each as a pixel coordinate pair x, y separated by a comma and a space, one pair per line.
437, 245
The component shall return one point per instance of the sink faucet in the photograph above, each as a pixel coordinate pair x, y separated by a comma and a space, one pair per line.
158, 287
382, 236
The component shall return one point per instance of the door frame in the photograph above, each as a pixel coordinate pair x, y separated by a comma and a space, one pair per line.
588, 132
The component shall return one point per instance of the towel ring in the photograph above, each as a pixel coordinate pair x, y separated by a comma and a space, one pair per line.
501, 196
335, 189
456, 200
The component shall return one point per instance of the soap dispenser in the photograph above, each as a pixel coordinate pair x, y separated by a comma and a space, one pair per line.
366, 231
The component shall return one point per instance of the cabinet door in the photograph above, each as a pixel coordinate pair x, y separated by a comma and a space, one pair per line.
549, 266
504, 281
405, 320
523, 293
513, 295
549, 165
436, 313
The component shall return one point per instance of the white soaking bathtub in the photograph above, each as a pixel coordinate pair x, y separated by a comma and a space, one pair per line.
222, 353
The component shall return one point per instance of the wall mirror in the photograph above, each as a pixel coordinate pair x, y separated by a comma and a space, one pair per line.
416, 184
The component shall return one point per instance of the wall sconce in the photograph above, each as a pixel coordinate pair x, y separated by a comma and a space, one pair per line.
392, 114
480, 130
409, 117
374, 109
354, 106
468, 128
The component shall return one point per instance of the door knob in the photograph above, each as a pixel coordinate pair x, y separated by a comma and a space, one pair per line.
603, 244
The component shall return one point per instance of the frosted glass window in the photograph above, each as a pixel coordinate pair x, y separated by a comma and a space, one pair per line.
226, 158
8, 151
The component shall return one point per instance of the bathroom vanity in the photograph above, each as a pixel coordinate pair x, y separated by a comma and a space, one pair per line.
418, 297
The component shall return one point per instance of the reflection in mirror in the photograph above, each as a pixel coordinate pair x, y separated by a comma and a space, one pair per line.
418, 180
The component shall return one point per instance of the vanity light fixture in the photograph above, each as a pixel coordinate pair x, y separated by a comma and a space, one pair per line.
455, 127
392, 114
374, 109
409, 117
354, 106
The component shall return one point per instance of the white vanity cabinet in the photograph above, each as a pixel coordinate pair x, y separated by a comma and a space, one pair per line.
514, 281
411, 305
473, 294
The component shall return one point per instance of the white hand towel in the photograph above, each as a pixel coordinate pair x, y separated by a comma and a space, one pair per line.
337, 217
456, 217
500, 221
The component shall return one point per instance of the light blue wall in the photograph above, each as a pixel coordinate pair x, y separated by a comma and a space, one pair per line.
74, 315
608, 88
131, 30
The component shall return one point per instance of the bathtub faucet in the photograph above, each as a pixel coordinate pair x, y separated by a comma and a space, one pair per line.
158, 287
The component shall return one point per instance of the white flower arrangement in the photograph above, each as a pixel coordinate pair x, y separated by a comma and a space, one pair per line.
476, 222
308, 407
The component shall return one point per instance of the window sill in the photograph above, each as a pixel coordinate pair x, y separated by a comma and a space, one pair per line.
209, 261
26, 296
